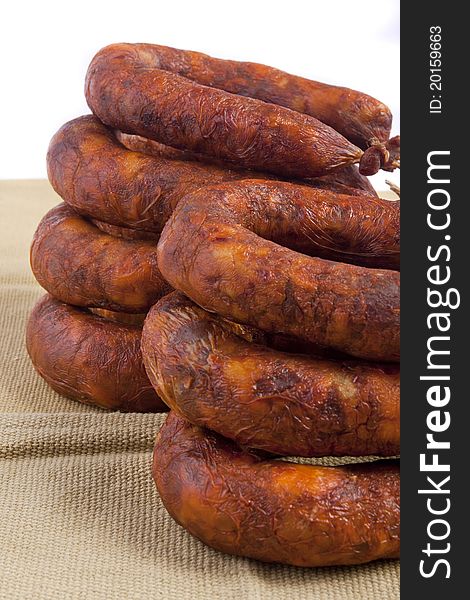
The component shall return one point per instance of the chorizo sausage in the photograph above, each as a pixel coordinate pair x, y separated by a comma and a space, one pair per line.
345, 180
358, 230
89, 359
127, 90
78, 264
358, 117
213, 250
287, 404
100, 179
272, 510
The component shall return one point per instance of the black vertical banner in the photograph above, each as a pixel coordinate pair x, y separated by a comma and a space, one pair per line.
435, 328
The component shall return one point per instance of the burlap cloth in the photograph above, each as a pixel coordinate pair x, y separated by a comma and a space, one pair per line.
79, 515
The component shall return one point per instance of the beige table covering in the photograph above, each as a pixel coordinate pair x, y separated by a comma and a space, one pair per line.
79, 515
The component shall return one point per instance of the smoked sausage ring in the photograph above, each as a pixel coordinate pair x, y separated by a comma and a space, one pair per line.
127, 90
103, 180
287, 404
88, 358
272, 510
345, 180
358, 117
213, 250
155, 92
80, 265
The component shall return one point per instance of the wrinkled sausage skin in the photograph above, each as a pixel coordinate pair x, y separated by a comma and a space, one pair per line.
89, 359
276, 511
228, 261
78, 264
345, 180
101, 179
287, 404
357, 116
126, 90
358, 230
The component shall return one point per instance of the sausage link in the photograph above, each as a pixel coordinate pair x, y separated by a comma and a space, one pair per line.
102, 180
213, 250
89, 359
276, 511
126, 89
286, 404
80, 265
358, 230
345, 180
358, 117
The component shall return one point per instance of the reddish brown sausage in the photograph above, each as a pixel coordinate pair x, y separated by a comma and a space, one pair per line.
101, 179
286, 404
126, 89
359, 117
213, 250
90, 359
362, 119
359, 230
80, 265
272, 510
345, 180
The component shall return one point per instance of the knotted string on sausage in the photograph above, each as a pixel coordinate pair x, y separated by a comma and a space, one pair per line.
259, 116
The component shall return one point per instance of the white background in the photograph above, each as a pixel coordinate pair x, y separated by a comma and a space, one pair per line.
45, 48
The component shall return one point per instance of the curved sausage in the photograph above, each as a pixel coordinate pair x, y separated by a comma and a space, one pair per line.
80, 265
126, 90
287, 404
358, 117
354, 229
102, 180
345, 180
272, 510
213, 250
89, 359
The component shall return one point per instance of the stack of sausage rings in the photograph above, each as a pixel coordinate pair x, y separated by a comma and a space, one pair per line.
221, 252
